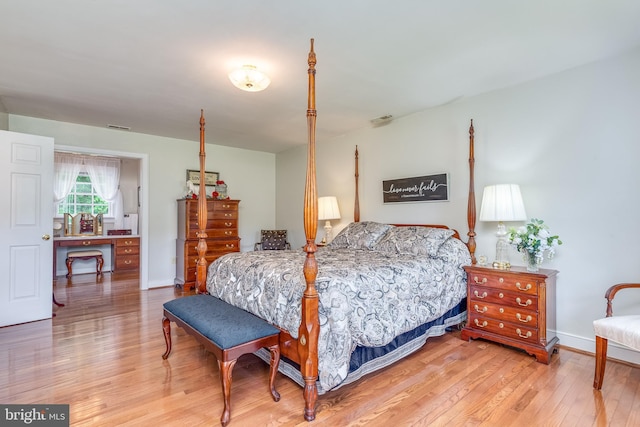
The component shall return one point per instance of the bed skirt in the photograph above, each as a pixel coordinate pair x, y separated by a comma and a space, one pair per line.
365, 360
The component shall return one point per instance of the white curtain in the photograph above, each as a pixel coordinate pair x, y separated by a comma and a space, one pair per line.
105, 178
67, 168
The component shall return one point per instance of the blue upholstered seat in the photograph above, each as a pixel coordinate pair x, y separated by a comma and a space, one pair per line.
223, 324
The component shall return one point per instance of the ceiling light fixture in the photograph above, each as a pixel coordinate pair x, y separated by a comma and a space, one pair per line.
249, 78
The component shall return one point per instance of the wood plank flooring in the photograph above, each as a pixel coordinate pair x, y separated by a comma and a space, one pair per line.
102, 355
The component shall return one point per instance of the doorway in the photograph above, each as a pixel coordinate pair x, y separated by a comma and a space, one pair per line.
135, 195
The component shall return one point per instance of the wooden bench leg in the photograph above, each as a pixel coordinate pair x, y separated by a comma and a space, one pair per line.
273, 370
226, 371
166, 328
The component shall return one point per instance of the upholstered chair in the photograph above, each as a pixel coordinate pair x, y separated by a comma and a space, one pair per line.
271, 240
623, 330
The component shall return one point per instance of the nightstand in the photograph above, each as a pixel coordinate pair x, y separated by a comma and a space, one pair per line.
513, 307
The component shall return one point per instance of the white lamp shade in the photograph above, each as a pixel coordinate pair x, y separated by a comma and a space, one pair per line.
328, 208
502, 202
249, 78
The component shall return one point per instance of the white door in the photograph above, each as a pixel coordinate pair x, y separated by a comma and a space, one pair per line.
26, 226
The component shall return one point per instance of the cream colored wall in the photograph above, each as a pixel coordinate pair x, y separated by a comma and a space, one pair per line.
249, 174
569, 140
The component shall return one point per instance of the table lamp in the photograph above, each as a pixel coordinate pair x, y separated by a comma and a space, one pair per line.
327, 210
502, 202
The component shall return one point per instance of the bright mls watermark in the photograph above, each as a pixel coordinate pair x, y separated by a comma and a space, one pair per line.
34, 415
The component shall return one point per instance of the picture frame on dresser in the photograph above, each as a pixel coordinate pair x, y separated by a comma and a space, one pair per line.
210, 178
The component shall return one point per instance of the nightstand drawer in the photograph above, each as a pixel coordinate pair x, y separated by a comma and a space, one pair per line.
505, 282
504, 312
505, 329
513, 299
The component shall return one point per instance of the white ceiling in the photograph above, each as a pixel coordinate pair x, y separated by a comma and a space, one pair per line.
153, 64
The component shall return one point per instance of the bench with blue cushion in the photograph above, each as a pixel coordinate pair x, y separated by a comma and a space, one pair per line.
226, 331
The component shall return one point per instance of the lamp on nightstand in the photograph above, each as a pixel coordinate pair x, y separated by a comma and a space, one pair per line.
502, 202
328, 210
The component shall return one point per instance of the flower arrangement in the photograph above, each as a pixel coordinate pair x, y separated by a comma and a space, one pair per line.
533, 240
220, 192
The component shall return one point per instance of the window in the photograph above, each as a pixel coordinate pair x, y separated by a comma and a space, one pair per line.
83, 198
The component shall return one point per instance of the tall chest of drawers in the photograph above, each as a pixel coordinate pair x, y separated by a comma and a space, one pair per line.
222, 236
513, 307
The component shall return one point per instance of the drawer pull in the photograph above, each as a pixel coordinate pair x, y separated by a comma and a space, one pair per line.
519, 332
483, 310
501, 325
526, 288
127, 251
524, 319
480, 325
228, 233
479, 282
484, 294
228, 224
525, 304
128, 261
228, 215
85, 243
230, 245
501, 295
226, 206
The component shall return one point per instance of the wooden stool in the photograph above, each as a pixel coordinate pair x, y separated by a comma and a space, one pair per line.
71, 256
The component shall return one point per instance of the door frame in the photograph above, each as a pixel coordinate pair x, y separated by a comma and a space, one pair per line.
143, 208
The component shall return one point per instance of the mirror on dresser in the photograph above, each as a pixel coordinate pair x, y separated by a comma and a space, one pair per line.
83, 224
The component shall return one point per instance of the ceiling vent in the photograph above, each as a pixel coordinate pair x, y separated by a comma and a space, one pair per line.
382, 120
118, 127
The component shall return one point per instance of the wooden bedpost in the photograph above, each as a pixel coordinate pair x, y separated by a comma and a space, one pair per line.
201, 266
471, 204
309, 330
356, 205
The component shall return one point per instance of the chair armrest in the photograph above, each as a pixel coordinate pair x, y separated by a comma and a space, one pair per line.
611, 292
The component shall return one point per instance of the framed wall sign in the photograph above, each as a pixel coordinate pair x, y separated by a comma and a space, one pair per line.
429, 188
210, 178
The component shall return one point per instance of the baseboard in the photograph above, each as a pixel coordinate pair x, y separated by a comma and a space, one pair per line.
614, 350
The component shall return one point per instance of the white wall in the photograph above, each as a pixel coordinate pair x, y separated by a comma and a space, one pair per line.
571, 141
250, 176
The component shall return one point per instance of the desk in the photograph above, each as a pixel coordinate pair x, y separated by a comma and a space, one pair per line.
125, 250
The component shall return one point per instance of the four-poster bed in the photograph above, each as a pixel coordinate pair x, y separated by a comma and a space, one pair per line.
403, 258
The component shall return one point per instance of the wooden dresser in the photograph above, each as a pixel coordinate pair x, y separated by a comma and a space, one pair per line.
513, 307
222, 236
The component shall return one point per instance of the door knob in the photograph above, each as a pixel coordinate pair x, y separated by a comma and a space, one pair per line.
46, 237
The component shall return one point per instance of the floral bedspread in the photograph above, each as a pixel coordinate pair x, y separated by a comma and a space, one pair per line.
367, 297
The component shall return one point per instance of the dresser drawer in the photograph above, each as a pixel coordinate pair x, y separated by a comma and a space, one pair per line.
213, 246
127, 242
505, 329
499, 296
127, 250
505, 282
225, 205
127, 262
504, 312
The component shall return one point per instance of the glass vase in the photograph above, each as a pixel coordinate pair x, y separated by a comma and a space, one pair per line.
532, 262
222, 191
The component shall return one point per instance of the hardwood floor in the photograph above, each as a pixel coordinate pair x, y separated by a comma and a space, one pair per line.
102, 355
